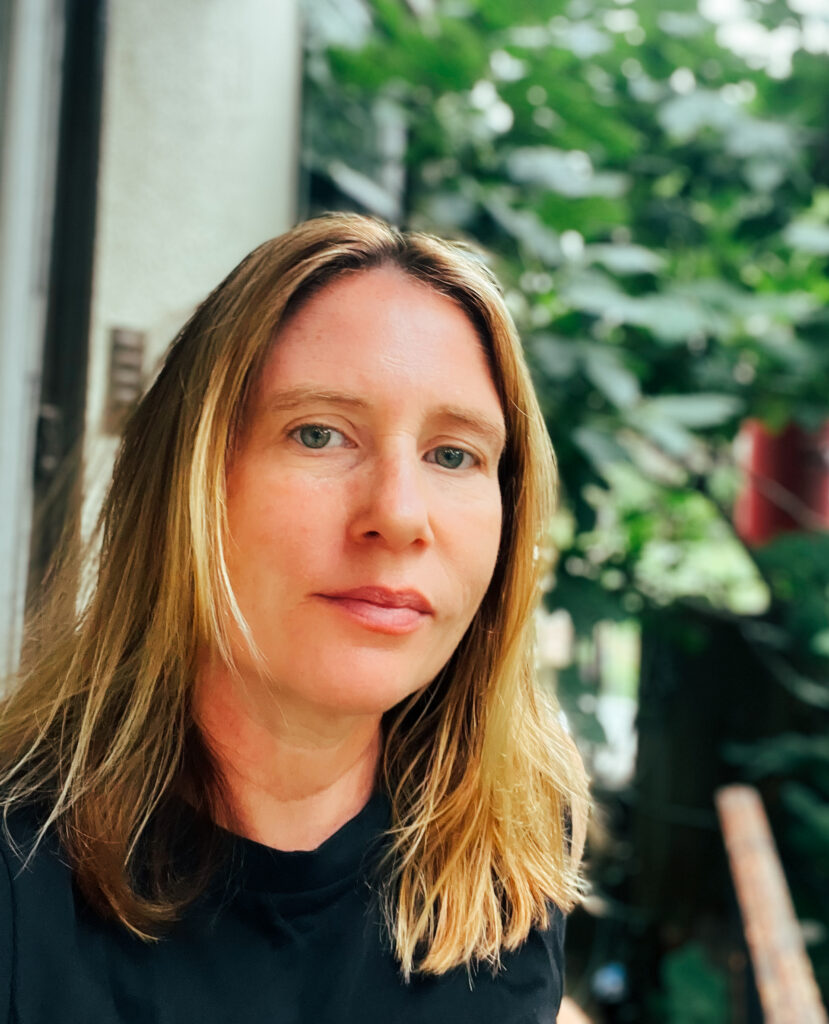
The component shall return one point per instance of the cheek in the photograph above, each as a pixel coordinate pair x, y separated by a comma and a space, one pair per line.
273, 524
478, 536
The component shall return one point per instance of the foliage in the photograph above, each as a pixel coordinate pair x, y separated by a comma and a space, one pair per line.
695, 991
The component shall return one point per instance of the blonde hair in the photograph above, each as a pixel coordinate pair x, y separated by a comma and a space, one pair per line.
483, 781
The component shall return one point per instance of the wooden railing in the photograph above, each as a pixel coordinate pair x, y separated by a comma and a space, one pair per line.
782, 969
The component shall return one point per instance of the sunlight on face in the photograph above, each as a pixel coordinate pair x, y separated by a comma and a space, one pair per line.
363, 501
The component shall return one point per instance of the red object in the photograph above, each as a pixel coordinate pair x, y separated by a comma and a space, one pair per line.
785, 481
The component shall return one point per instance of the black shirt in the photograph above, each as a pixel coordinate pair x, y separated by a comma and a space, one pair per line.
282, 938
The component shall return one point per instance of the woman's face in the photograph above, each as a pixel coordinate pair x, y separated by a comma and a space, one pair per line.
363, 502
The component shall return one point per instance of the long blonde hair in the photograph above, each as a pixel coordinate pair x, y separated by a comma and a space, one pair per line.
482, 779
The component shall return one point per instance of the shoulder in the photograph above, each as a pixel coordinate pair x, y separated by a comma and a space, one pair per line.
22, 849
542, 957
27, 862
530, 984
6, 928
532, 977
37, 904
37, 872
553, 935
527, 988
17, 837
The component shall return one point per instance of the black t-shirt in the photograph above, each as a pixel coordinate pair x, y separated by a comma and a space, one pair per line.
282, 938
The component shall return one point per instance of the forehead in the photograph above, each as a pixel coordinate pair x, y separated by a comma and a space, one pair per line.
377, 295
381, 328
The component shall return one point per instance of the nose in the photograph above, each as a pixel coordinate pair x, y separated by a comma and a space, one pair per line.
392, 505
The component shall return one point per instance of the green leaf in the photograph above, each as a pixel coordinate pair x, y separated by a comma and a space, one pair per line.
580, 37
811, 810
750, 137
820, 643
808, 236
344, 23
785, 754
601, 448
626, 259
815, 694
684, 117
364, 190
604, 368
681, 24
557, 356
569, 173
696, 992
666, 433
673, 317
698, 410
526, 227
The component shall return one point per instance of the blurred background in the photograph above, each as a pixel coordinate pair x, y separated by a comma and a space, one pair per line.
650, 179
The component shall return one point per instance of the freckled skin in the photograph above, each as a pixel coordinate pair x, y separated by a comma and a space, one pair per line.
376, 504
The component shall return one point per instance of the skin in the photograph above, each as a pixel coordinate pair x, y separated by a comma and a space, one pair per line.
369, 458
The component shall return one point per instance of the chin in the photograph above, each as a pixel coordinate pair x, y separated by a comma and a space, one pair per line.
352, 679
365, 698
353, 687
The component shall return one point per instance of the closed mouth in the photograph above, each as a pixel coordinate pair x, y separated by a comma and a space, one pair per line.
382, 610
385, 597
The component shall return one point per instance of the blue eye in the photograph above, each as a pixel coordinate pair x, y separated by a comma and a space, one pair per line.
314, 435
450, 458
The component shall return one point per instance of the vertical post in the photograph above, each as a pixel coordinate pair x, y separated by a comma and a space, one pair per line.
782, 970
66, 345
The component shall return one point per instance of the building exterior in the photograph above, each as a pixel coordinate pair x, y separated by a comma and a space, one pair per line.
145, 148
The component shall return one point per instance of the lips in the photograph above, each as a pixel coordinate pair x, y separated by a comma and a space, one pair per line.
386, 598
382, 609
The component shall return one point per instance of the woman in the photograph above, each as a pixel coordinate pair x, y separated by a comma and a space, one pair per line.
288, 763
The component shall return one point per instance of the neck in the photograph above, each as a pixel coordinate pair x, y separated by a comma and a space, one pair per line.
292, 774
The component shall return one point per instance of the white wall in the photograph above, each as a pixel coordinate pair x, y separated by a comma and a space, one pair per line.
29, 153
199, 152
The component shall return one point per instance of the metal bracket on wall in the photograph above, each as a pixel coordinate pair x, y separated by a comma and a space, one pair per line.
126, 376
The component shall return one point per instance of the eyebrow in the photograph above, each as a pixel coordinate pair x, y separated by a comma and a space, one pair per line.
301, 394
